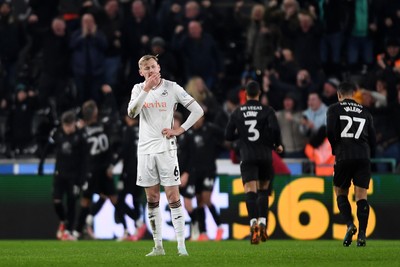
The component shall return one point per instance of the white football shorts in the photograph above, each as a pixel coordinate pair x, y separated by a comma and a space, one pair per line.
160, 168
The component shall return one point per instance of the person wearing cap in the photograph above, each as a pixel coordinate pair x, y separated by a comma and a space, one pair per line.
166, 60
329, 91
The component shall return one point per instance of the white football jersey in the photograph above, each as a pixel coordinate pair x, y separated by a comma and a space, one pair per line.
157, 113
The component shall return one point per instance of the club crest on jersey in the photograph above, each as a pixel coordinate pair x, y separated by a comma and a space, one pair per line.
164, 93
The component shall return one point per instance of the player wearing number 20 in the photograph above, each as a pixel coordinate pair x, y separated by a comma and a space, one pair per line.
351, 133
257, 129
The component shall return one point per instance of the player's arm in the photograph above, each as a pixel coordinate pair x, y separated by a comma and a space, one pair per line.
50, 143
196, 112
275, 131
331, 120
138, 96
371, 136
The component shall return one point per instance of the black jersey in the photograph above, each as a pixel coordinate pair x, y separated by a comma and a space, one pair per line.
97, 148
205, 144
68, 153
350, 130
257, 128
130, 138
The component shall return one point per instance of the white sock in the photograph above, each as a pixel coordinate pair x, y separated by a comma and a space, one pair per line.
154, 216
254, 220
262, 220
178, 222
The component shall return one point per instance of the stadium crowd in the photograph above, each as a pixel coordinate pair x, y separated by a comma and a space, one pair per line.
56, 54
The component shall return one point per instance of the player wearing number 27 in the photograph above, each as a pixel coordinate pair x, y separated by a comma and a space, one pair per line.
351, 132
155, 100
257, 129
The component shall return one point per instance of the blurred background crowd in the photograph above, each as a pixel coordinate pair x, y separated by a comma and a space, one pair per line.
56, 54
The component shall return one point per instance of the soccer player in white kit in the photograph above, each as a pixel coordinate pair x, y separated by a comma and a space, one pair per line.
155, 100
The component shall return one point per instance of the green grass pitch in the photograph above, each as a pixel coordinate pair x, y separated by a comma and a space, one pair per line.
223, 253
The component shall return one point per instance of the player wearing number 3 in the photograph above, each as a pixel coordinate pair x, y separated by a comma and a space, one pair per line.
155, 100
351, 132
257, 129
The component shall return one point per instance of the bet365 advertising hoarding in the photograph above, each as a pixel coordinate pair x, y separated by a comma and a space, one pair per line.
301, 207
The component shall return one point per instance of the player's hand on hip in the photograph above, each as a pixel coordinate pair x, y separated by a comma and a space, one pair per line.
172, 132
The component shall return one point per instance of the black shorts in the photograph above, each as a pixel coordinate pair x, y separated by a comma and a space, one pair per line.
62, 185
256, 170
357, 170
204, 181
98, 182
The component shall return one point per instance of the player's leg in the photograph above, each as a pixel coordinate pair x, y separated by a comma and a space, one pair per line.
188, 193
341, 183
168, 170
148, 178
362, 214
361, 183
201, 216
208, 186
154, 215
71, 207
263, 189
141, 228
85, 202
345, 211
262, 204
58, 205
249, 176
177, 216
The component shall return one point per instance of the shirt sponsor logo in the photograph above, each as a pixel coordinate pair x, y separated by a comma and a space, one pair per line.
155, 104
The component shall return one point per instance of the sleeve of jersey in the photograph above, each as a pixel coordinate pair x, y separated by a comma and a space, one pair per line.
189, 103
138, 97
330, 128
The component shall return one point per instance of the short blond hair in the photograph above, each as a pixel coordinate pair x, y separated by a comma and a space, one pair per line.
146, 58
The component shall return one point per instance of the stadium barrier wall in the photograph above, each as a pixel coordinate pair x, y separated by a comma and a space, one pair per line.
301, 207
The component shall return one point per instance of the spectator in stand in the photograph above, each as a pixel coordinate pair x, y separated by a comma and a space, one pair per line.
286, 66
55, 74
331, 17
168, 17
306, 44
110, 23
138, 29
329, 91
13, 39
314, 117
197, 88
285, 17
88, 45
387, 134
359, 30
388, 21
263, 40
200, 55
167, 60
22, 110
39, 21
289, 120
388, 67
